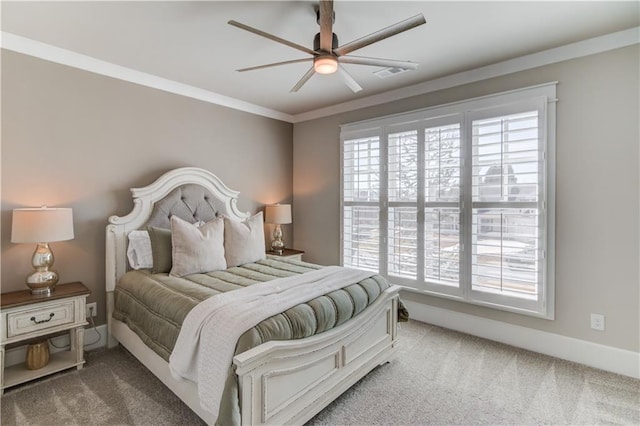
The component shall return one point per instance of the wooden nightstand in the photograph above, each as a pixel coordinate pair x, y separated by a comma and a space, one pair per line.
25, 316
287, 253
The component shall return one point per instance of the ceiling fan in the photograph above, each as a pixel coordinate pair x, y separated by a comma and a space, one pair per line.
328, 57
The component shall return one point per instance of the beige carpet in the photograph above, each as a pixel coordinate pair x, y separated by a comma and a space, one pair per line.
438, 377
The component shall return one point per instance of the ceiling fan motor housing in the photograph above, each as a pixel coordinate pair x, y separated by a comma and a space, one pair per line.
316, 42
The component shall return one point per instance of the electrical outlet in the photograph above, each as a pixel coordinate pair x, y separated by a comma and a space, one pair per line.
92, 309
597, 322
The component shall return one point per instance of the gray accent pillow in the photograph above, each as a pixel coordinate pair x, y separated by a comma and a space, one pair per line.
244, 241
197, 250
160, 249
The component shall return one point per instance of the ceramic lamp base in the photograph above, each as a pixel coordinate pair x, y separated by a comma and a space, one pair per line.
277, 245
42, 280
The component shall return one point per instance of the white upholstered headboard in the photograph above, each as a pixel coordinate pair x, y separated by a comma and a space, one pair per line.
189, 192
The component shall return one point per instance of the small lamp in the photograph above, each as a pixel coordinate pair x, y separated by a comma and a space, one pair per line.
42, 226
278, 214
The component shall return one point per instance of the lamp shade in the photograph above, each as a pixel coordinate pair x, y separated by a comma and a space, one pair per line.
325, 64
278, 214
41, 225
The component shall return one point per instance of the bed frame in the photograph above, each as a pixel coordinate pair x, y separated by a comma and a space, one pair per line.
280, 382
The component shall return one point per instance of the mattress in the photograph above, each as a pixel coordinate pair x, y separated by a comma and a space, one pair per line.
154, 306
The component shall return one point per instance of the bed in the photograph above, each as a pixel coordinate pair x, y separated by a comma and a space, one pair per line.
272, 382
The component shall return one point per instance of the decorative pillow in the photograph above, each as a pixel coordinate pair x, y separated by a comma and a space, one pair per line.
139, 250
244, 241
160, 249
197, 250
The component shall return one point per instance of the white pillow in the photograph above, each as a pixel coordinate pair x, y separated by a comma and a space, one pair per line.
139, 250
244, 241
196, 250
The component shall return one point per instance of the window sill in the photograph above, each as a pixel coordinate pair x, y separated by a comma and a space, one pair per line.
512, 309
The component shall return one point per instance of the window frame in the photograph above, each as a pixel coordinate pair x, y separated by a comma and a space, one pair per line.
543, 99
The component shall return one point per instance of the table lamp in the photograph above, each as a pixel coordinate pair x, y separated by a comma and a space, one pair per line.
42, 226
278, 214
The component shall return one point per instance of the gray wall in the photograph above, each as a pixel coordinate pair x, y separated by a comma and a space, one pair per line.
76, 139
597, 187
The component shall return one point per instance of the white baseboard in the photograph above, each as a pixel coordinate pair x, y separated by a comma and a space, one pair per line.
595, 355
93, 339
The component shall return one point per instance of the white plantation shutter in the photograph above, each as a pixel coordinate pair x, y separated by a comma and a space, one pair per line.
402, 242
361, 238
506, 158
402, 232
361, 198
442, 248
456, 200
361, 170
442, 204
507, 243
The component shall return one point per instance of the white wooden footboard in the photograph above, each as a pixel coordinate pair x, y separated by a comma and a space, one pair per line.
288, 382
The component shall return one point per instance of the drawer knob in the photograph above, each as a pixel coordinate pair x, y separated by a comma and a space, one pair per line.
41, 321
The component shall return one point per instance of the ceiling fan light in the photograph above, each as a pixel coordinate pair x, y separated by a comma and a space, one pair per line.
325, 64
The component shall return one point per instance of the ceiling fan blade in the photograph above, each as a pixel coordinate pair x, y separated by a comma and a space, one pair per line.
392, 30
272, 37
348, 80
379, 62
275, 64
326, 25
303, 80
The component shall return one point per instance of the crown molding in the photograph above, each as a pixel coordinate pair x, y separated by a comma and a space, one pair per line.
563, 53
58, 55
579, 49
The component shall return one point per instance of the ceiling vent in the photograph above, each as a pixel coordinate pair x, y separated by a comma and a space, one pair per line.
388, 72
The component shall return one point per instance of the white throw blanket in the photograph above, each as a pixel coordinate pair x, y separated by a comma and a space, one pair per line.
206, 344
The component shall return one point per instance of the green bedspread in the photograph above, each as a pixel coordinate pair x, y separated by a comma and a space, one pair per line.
155, 305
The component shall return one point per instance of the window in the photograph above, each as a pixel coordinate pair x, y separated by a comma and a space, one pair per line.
456, 200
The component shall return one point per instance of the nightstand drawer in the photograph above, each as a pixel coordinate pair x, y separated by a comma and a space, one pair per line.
40, 318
